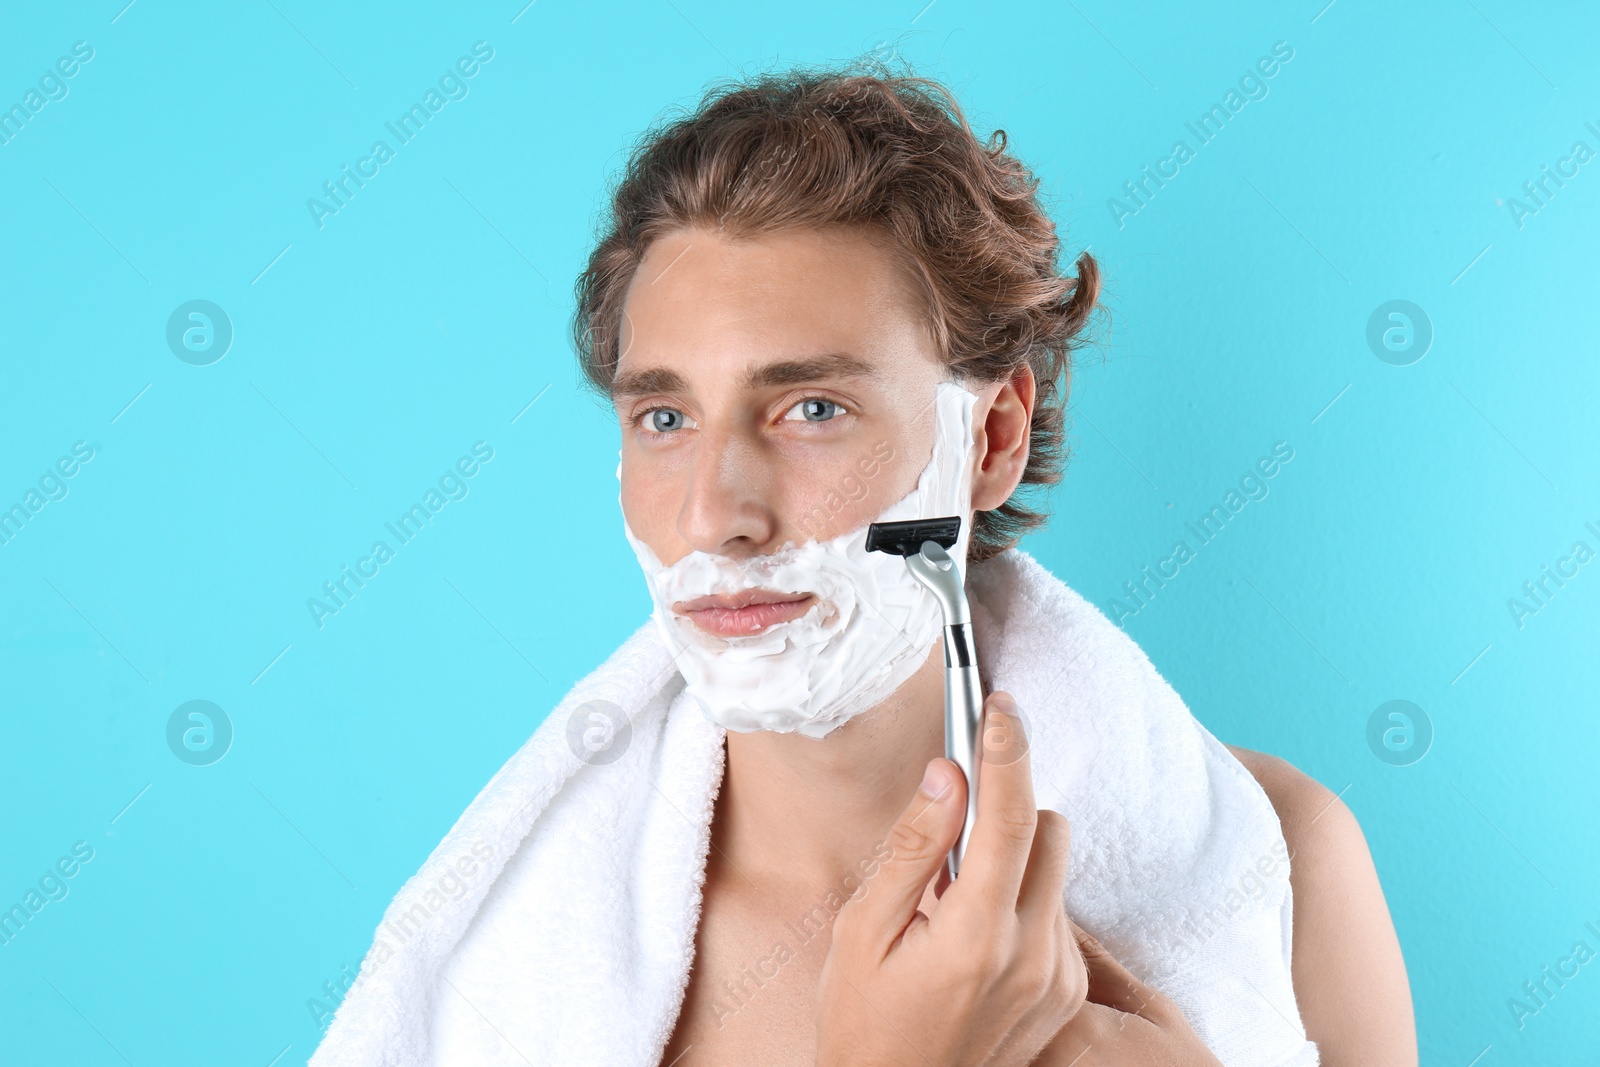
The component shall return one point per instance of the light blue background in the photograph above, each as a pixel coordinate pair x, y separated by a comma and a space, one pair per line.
370, 353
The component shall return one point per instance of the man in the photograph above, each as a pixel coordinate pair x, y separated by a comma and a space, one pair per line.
819, 297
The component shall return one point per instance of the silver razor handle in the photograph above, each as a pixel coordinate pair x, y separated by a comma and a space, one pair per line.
963, 693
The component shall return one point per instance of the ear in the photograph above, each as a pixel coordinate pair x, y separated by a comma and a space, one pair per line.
1003, 418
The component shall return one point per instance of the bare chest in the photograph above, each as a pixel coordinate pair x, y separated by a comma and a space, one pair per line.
753, 985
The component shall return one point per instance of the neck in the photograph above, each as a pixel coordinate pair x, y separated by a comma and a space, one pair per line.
799, 814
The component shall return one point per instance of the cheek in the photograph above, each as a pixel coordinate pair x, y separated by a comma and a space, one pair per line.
645, 519
644, 499
654, 492
826, 495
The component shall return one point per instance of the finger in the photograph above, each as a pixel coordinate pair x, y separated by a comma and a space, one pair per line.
941, 878
918, 842
1112, 984
998, 848
1043, 892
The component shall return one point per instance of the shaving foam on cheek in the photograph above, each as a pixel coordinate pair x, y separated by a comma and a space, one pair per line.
870, 629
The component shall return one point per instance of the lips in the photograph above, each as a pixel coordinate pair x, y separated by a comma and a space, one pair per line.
745, 613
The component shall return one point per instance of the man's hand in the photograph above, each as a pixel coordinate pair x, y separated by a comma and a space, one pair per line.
1125, 1023
995, 971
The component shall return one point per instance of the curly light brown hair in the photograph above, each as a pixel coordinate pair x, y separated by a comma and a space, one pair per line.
861, 146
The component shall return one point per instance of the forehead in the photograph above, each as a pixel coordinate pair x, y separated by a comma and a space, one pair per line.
704, 300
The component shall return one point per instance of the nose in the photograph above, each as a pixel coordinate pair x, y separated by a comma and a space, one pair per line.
726, 509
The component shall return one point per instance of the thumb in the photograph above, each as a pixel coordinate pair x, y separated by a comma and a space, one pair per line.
918, 843
1112, 984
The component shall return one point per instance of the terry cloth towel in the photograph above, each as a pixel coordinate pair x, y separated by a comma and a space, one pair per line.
555, 924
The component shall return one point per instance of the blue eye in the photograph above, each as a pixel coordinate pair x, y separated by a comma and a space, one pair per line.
663, 420
817, 409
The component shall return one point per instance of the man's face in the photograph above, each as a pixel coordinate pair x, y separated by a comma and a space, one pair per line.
770, 390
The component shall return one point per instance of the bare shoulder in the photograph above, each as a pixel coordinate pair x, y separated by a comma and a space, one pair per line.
1349, 974
1303, 803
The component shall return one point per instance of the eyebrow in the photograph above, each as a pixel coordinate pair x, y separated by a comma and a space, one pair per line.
642, 382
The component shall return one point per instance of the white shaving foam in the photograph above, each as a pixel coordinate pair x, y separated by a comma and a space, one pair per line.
870, 629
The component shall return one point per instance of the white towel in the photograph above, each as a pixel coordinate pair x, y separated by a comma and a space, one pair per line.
555, 924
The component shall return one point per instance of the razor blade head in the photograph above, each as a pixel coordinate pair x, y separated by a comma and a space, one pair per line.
906, 538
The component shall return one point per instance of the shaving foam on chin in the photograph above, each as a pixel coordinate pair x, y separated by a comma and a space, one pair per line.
870, 629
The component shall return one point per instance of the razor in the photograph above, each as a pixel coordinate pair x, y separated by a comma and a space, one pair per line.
923, 542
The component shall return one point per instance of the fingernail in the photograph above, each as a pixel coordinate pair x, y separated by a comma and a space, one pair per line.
934, 782
1004, 703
